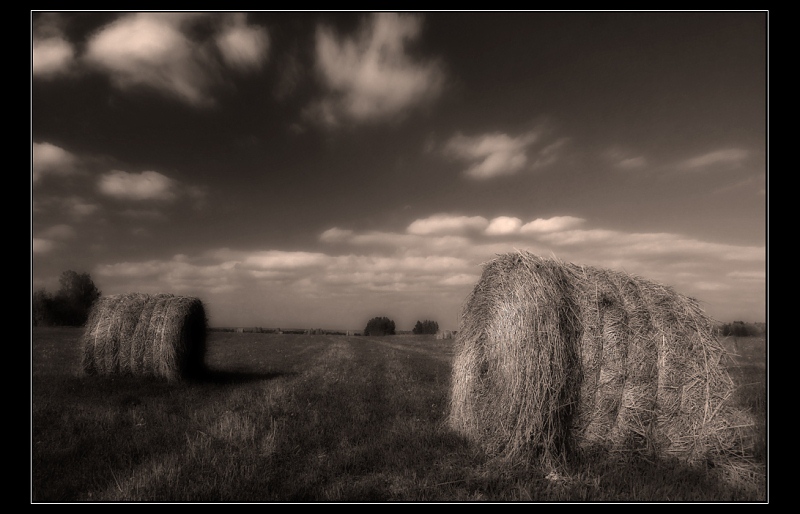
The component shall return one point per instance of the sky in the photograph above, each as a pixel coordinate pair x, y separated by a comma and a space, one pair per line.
318, 169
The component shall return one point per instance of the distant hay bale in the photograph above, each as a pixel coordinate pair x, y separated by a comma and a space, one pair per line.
139, 334
553, 357
444, 334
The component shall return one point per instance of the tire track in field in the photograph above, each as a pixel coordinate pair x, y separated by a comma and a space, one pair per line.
414, 349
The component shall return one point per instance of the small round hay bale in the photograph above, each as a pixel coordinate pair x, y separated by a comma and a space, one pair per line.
161, 335
553, 357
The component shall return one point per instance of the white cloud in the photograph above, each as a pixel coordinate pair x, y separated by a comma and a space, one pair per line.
53, 55
49, 159
731, 156
369, 76
147, 185
335, 235
280, 260
440, 224
491, 155
243, 47
41, 245
504, 225
556, 223
156, 50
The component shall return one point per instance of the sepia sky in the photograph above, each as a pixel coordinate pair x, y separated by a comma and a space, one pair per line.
318, 169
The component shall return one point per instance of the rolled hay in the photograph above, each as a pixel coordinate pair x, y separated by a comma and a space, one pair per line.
160, 335
554, 357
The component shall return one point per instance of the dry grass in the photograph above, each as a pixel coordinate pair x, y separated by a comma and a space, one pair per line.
554, 357
139, 334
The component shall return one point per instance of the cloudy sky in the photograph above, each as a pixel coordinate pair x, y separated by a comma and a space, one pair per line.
319, 169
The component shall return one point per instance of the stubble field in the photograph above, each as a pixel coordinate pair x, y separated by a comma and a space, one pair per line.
322, 418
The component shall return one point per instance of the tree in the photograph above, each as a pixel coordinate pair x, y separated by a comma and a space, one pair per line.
379, 326
71, 304
43, 309
426, 327
75, 298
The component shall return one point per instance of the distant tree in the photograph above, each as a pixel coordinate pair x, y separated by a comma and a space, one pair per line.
741, 329
426, 327
43, 309
75, 298
380, 326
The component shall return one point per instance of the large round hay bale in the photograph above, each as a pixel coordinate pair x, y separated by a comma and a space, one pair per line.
515, 374
140, 334
553, 357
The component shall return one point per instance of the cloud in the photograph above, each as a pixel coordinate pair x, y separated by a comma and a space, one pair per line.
622, 159
549, 154
79, 208
147, 185
491, 155
61, 232
431, 270
748, 275
143, 214
49, 159
753, 183
243, 47
281, 260
369, 76
50, 238
554, 224
503, 225
73, 207
158, 51
41, 245
632, 163
731, 157
335, 235
53, 55
439, 224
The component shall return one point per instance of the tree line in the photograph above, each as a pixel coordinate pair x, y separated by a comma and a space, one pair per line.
383, 326
70, 305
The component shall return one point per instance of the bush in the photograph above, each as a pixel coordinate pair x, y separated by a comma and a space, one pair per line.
379, 326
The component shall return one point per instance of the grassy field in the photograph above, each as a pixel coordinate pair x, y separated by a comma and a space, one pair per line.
299, 418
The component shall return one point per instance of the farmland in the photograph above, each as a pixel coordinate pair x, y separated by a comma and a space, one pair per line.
319, 418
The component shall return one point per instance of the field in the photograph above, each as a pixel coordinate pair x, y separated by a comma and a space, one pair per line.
318, 418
